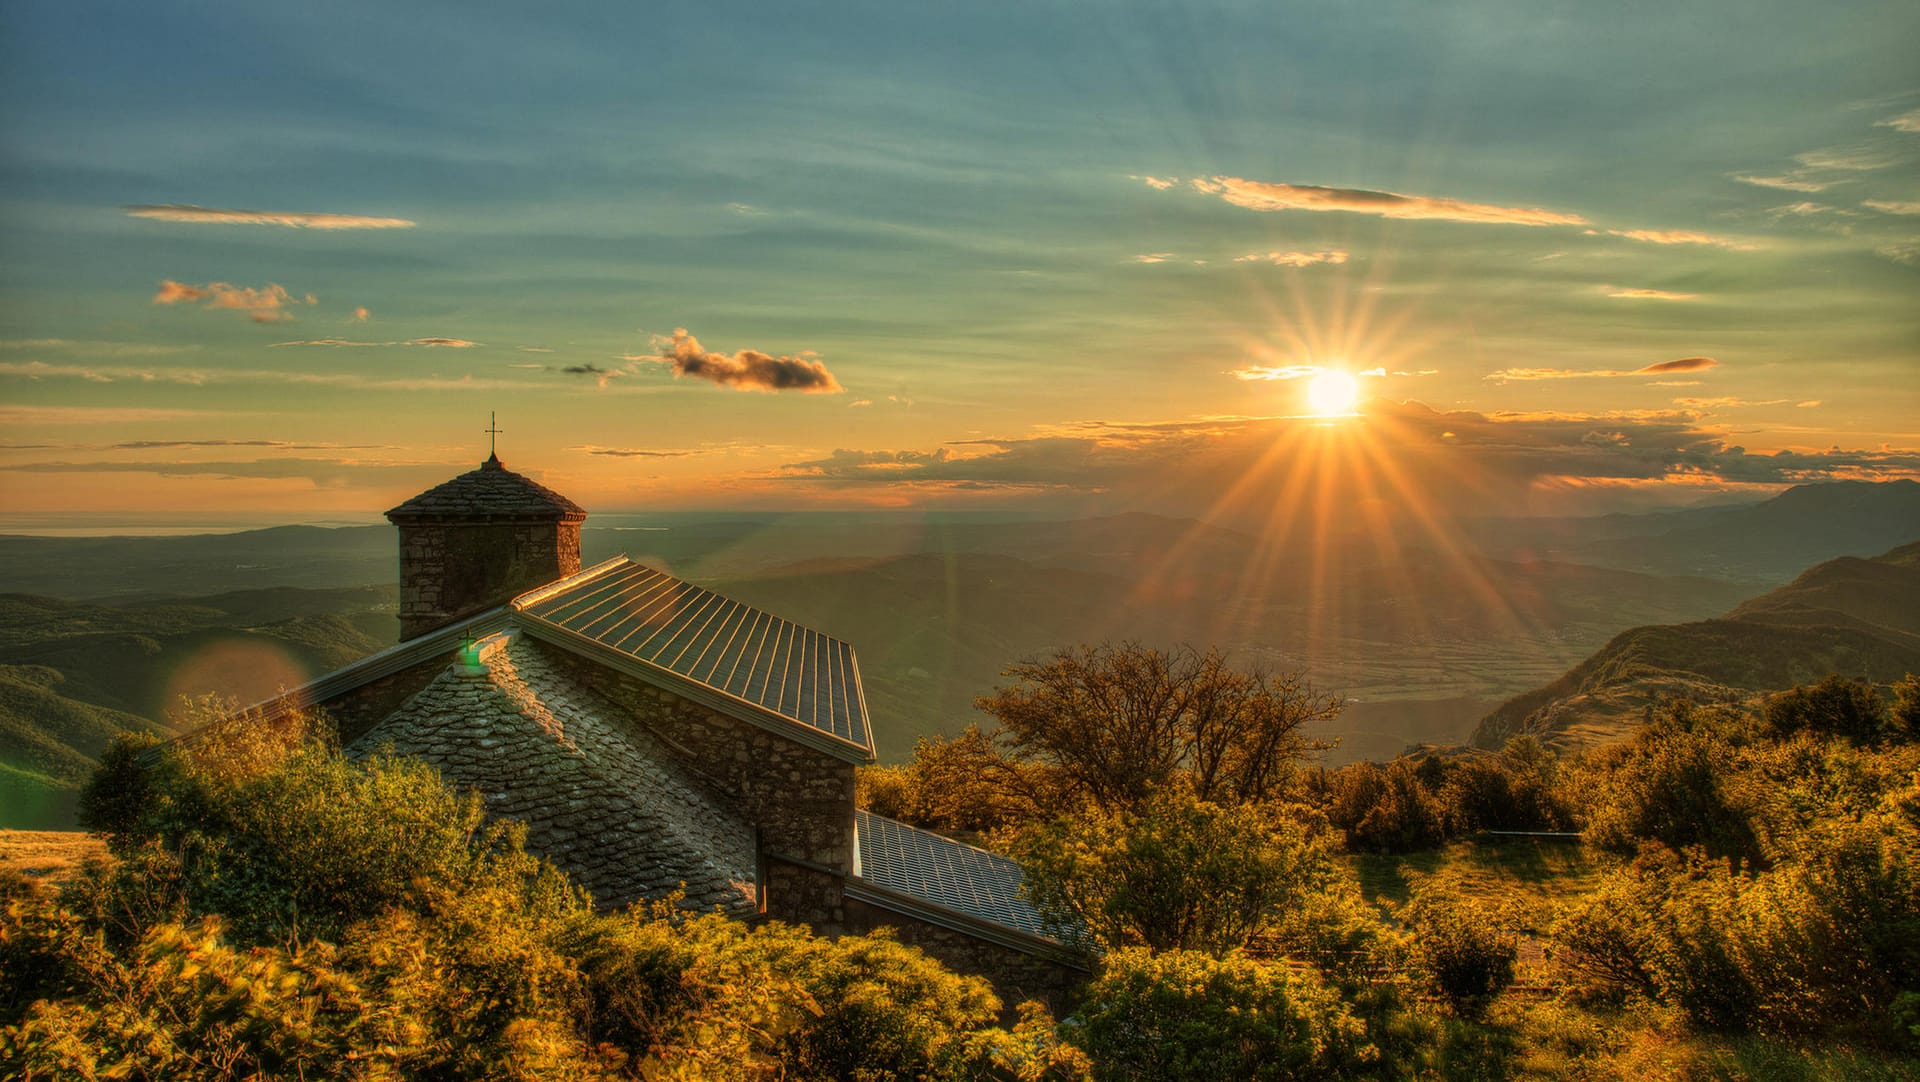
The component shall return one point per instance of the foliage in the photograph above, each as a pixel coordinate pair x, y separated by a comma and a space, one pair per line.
1386, 809
1460, 944
1836, 706
1174, 873
1189, 1015
962, 785
1114, 724
1675, 783
276, 909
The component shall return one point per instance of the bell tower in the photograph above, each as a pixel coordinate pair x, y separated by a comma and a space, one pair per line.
476, 541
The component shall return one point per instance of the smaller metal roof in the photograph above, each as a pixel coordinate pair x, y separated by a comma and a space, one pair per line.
943, 872
720, 646
489, 493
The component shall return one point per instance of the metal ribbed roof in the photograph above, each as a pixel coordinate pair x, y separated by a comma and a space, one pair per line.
944, 872
722, 644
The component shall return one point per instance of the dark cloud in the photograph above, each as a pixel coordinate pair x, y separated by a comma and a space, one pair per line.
747, 370
1401, 454
637, 452
1684, 364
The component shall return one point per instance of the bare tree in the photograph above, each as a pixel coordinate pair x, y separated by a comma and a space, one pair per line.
1114, 723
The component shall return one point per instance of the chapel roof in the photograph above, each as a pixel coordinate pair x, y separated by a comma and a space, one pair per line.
728, 654
937, 870
601, 799
490, 493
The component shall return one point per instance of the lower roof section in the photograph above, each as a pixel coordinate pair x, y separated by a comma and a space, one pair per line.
935, 878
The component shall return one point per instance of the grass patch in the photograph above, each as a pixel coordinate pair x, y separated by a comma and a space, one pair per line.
48, 855
1525, 870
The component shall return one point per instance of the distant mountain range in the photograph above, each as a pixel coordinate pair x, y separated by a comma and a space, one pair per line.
102, 634
1856, 617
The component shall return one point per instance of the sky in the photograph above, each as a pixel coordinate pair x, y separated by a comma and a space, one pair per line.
1076, 257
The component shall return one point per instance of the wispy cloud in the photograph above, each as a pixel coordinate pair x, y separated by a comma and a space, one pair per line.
1273, 372
638, 452
1854, 159
1273, 196
1663, 368
1159, 183
183, 212
1683, 236
107, 349
1649, 294
281, 445
347, 343
99, 415
1796, 181
266, 304
747, 370
1889, 206
1153, 257
360, 314
1293, 259
1908, 121
1725, 402
197, 377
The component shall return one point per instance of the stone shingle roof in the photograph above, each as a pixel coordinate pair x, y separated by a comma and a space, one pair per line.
745, 657
490, 493
943, 872
599, 796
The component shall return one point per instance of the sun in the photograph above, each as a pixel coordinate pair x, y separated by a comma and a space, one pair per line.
1333, 393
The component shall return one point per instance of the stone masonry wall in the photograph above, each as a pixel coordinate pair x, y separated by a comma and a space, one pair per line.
452, 570
800, 799
1016, 975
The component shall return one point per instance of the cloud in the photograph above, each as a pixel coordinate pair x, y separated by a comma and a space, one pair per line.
1888, 206
1273, 372
1649, 294
1791, 182
181, 212
1153, 257
284, 445
1908, 121
360, 314
323, 473
1808, 404
747, 370
347, 343
1263, 195
858, 402
637, 452
1683, 364
111, 349
265, 305
1682, 236
601, 376
236, 376
1293, 259
1158, 183
99, 415
1858, 159
1907, 254
1243, 471
1724, 402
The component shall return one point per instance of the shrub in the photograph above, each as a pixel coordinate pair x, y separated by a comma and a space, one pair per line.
1459, 944
1187, 1015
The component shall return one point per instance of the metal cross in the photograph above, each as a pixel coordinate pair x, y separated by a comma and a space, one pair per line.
493, 429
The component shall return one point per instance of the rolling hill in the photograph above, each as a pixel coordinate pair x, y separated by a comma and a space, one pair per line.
1856, 617
73, 674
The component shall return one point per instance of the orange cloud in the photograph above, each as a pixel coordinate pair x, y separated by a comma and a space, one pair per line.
1263, 195
265, 305
1293, 259
360, 314
747, 370
182, 212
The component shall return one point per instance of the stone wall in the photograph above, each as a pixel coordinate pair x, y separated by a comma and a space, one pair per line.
360, 709
800, 799
1015, 975
452, 570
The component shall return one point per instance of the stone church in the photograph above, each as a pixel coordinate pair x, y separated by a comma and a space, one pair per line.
657, 737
